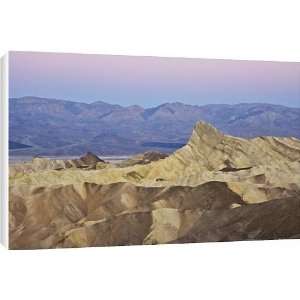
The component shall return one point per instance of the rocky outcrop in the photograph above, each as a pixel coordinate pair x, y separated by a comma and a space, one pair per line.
208, 154
87, 161
209, 150
276, 219
90, 159
215, 188
68, 216
142, 159
125, 214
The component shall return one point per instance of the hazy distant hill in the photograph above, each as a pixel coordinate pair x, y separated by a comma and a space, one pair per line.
15, 145
57, 127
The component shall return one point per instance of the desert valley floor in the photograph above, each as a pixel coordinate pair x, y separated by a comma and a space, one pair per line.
215, 188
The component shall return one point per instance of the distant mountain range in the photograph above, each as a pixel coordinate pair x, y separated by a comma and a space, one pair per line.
58, 127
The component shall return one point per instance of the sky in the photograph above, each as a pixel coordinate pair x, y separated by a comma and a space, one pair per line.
151, 81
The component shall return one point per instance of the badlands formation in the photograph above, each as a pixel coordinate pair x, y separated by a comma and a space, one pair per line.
215, 188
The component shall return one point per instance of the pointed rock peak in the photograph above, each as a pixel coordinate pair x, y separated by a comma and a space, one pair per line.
202, 128
90, 158
205, 133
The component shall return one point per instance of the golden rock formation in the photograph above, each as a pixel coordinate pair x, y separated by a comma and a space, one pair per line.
215, 188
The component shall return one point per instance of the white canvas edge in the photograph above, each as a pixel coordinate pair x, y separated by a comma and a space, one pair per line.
4, 151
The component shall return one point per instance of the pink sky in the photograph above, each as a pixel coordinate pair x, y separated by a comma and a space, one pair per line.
150, 81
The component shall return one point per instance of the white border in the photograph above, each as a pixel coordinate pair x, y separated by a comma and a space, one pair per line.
4, 151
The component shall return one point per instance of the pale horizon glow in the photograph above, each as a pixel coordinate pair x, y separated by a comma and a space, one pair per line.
151, 81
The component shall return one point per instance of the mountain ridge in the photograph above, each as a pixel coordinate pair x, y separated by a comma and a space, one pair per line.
62, 127
175, 102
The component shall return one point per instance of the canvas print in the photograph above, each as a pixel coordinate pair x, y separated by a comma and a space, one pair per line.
109, 150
